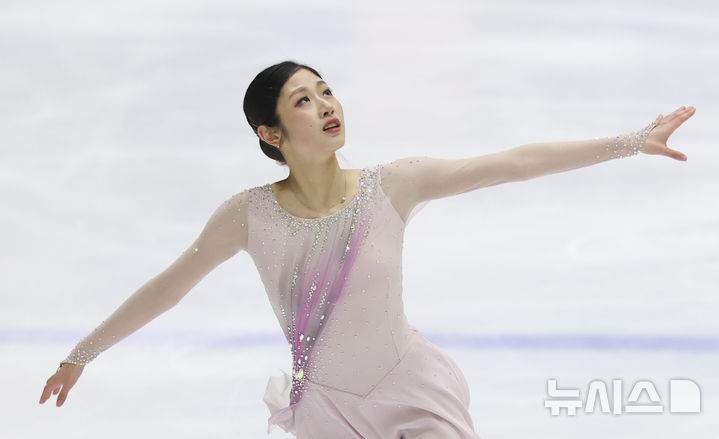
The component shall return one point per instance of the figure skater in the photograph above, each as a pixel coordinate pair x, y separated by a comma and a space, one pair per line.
327, 244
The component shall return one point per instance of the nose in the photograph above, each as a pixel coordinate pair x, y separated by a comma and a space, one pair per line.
326, 107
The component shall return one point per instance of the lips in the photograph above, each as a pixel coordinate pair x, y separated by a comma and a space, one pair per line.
332, 122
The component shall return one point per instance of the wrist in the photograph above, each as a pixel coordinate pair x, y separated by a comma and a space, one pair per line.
66, 362
627, 145
80, 357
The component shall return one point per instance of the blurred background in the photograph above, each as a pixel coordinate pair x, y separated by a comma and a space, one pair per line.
121, 130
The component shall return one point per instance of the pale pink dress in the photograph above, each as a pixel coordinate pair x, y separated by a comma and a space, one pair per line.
359, 369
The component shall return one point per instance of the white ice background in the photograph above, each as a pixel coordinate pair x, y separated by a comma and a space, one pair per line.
121, 130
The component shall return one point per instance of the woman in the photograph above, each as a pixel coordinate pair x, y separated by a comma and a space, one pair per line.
327, 244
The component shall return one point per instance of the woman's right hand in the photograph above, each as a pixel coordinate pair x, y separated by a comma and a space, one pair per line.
65, 377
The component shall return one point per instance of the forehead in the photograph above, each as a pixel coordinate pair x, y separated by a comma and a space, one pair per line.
301, 78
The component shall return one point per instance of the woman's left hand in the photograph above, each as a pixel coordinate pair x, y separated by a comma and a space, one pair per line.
656, 142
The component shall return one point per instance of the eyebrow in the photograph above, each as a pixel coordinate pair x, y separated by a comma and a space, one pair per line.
305, 88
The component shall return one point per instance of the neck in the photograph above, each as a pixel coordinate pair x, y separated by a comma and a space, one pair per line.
318, 186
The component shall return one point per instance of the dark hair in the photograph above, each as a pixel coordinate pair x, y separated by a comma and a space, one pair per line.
260, 104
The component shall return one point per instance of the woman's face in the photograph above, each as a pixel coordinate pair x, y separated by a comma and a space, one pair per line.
305, 106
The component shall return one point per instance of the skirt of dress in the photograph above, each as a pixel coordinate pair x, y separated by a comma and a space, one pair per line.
424, 396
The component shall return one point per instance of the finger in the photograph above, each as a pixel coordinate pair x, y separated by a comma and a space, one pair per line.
685, 111
683, 114
46, 392
63, 395
679, 112
674, 114
676, 155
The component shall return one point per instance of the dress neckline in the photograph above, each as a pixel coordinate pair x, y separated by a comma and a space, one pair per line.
347, 206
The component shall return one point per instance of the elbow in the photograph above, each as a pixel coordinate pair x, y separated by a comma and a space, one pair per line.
169, 297
168, 301
523, 165
510, 166
166, 295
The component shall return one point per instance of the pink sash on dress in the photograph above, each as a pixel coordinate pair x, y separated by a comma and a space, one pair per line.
317, 303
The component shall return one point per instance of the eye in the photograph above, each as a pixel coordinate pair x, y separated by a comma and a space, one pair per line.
305, 97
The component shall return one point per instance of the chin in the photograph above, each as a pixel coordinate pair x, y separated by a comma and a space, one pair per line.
339, 140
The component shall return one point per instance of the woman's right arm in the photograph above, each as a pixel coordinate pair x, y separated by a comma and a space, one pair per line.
224, 235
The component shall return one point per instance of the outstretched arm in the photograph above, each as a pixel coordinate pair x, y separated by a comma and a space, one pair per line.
412, 180
224, 235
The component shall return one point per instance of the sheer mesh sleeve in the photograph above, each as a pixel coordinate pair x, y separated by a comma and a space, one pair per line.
398, 181
224, 235
411, 182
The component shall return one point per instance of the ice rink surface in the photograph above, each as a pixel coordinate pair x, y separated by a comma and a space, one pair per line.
121, 130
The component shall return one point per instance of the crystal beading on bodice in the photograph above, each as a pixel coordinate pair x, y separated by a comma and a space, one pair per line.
334, 284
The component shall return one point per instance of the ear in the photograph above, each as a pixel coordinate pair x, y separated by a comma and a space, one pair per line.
269, 135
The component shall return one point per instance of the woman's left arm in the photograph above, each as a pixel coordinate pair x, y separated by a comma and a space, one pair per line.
424, 178
549, 158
